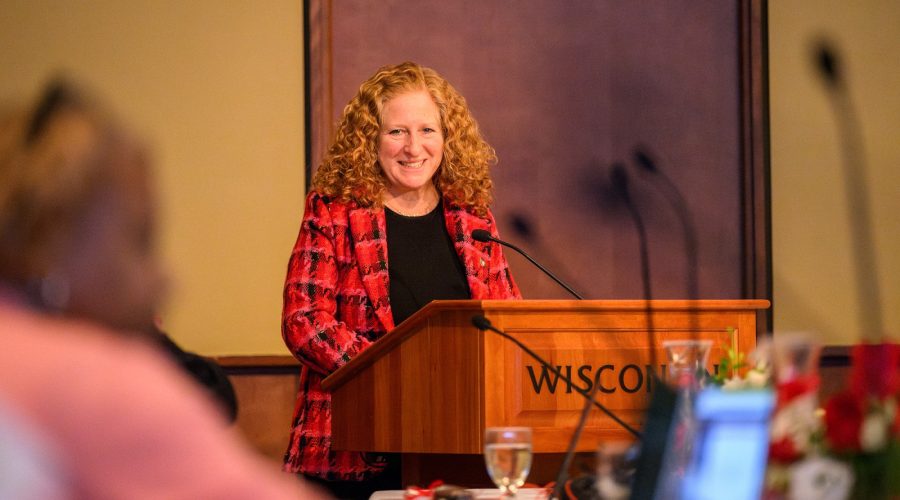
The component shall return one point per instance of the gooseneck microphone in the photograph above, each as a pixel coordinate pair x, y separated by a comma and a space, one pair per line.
662, 403
868, 292
619, 181
646, 164
483, 323
485, 237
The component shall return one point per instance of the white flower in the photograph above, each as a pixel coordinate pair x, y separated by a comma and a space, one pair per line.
819, 478
757, 378
733, 384
797, 421
873, 433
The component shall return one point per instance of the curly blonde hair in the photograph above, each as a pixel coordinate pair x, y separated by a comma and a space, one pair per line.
350, 169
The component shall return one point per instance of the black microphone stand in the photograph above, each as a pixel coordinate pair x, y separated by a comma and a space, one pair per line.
679, 205
646, 164
662, 404
619, 178
868, 291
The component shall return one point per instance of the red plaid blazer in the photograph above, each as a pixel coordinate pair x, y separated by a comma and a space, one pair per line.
336, 304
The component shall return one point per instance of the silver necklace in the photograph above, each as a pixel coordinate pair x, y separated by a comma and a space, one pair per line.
416, 213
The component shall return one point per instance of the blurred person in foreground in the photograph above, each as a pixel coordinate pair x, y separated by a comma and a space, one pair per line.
386, 229
103, 414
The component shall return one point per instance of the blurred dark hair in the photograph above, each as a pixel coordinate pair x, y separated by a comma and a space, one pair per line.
52, 159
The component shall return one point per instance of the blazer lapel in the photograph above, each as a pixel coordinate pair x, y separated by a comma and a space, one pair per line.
367, 227
475, 256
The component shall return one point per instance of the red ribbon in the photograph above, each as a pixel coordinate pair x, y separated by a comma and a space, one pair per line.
413, 492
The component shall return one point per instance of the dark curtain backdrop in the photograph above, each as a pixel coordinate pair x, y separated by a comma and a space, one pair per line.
563, 90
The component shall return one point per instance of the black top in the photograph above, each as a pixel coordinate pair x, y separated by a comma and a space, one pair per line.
422, 262
204, 371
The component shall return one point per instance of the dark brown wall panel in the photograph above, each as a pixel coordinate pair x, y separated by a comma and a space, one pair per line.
563, 90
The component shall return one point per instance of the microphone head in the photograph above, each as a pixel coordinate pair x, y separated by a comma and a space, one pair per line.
482, 235
644, 161
481, 322
619, 179
827, 63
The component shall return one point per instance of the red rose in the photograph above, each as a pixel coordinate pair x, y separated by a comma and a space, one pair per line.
783, 450
787, 391
843, 419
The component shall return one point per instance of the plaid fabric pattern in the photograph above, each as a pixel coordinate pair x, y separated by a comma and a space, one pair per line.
336, 303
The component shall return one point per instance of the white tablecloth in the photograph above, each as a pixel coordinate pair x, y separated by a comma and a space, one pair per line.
524, 494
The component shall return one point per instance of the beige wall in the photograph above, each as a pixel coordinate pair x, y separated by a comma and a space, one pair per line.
813, 277
217, 88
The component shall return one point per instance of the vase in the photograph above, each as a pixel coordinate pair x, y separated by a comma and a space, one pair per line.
686, 363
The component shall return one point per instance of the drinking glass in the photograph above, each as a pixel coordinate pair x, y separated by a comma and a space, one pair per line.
796, 356
507, 454
686, 360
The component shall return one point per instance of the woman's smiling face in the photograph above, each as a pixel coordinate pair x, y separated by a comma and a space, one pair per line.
411, 143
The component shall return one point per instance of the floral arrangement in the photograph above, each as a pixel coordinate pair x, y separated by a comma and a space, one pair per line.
849, 448
862, 424
735, 371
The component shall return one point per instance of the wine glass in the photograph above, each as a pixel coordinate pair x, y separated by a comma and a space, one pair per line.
507, 454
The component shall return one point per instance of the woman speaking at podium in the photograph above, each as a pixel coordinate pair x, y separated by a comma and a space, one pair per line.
387, 229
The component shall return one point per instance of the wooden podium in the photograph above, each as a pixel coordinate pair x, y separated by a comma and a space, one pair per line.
430, 387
